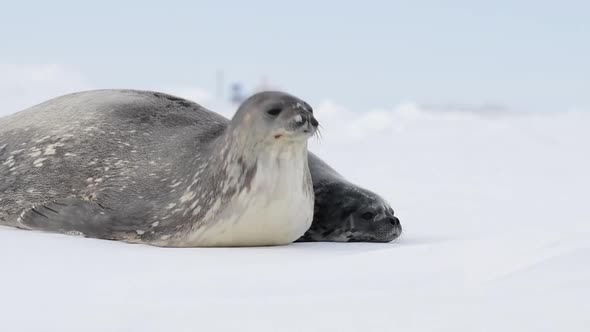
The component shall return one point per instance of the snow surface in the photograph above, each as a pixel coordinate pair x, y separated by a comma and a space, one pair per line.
496, 224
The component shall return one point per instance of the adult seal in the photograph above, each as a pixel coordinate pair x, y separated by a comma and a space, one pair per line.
150, 168
343, 211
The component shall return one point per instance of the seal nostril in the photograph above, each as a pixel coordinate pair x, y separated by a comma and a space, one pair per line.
394, 221
314, 122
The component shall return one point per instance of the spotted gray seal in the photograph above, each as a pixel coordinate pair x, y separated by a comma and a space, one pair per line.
343, 211
151, 168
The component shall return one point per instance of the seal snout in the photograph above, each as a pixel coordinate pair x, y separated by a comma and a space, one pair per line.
376, 225
309, 121
396, 230
393, 221
304, 118
303, 121
314, 122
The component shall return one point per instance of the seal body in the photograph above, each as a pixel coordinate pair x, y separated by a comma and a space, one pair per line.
147, 167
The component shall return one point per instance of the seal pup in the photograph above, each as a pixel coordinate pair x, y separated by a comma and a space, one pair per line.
345, 212
111, 164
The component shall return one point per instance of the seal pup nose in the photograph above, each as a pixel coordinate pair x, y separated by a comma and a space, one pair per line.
397, 228
394, 221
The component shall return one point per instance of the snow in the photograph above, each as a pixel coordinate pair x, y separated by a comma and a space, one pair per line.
496, 224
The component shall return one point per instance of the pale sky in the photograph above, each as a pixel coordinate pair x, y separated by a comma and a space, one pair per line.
524, 55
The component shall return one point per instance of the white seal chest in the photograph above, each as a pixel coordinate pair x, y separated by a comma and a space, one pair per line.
278, 208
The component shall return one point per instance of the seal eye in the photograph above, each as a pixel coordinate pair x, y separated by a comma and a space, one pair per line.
367, 215
274, 111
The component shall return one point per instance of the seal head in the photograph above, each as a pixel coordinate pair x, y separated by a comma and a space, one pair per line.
272, 117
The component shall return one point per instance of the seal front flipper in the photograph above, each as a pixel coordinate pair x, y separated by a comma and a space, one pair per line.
77, 217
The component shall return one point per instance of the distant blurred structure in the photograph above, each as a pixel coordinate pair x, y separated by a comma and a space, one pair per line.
236, 94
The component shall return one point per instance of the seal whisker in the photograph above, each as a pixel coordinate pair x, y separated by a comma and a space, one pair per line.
318, 133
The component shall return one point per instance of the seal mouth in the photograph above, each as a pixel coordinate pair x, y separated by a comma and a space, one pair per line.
381, 229
391, 229
301, 126
380, 237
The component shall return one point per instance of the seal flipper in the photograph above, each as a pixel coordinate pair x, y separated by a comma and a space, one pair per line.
75, 216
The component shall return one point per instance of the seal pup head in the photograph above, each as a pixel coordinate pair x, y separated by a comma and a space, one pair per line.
344, 212
275, 117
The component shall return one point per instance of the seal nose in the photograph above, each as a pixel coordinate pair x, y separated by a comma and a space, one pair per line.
396, 230
394, 221
314, 122
306, 118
